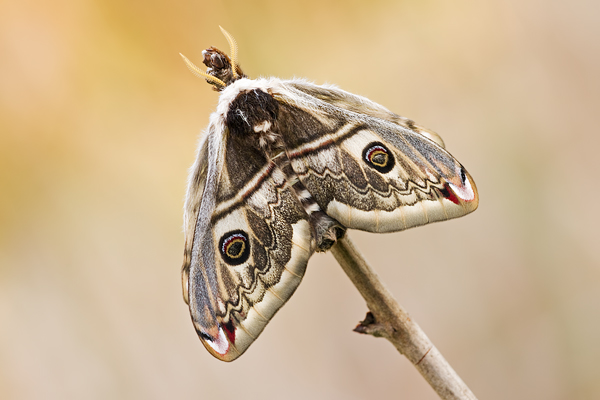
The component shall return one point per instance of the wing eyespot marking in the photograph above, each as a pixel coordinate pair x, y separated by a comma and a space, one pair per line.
234, 247
378, 157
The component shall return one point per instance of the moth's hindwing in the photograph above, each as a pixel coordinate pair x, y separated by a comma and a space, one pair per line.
248, 243
367, 167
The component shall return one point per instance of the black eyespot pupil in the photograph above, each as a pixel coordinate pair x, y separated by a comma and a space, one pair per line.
234, 247
378, 157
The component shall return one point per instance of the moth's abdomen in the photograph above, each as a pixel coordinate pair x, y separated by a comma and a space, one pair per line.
326, 230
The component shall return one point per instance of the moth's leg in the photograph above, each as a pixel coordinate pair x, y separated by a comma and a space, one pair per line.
327, 230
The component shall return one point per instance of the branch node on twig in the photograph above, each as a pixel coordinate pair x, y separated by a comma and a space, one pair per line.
371, 327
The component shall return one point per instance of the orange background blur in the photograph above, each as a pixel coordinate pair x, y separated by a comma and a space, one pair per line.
99, 119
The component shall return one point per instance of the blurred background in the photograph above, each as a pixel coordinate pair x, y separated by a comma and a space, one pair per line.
99, 120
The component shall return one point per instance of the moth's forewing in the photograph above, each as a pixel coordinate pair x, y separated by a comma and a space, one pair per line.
364, 168
248, 246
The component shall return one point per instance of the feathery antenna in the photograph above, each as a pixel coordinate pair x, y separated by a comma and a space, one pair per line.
201, 74
232, 51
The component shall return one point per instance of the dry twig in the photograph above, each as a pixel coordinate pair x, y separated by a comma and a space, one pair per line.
389, 320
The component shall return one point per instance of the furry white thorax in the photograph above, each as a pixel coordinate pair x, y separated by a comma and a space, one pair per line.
242, 85
270, 85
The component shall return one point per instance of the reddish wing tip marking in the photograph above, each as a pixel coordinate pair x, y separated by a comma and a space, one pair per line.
448, 193
219, 344
459, 190
230, 330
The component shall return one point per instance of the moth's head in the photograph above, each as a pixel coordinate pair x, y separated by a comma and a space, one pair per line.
220, 66
222, 70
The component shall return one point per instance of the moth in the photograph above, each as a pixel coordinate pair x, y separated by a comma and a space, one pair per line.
284, 168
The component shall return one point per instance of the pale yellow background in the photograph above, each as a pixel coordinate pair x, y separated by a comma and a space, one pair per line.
99, 119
